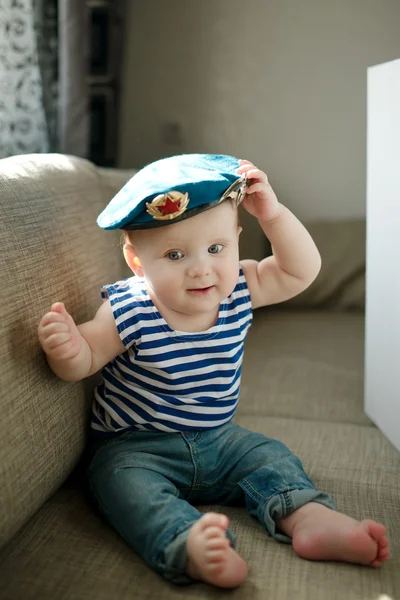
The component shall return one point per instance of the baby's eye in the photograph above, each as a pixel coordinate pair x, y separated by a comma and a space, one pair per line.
174, 255
215, 248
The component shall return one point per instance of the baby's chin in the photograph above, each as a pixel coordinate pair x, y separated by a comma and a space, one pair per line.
199, 303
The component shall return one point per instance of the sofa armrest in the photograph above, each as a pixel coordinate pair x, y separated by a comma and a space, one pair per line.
52, 250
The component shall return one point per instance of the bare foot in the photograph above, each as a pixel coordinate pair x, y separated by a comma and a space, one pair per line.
319, 533
210, 555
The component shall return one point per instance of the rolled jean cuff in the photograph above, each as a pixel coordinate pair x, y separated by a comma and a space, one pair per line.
175, 557
284, 503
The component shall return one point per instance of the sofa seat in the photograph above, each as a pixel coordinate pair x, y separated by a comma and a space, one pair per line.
303, 388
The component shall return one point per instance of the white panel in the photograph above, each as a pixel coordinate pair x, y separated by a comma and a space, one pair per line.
382, 357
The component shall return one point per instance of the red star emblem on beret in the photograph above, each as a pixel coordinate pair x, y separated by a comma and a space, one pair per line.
170, 206
166, 207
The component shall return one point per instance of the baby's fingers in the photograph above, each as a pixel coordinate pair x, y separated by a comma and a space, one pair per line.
55, 340
252, 173
59, 307
245, 168
244, 162
54, 327
52, 317
256, 187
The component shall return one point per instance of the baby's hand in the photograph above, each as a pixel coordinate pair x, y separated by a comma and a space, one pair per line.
260, 200
58, 334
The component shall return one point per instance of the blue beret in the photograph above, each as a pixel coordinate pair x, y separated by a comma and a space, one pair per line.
173, 189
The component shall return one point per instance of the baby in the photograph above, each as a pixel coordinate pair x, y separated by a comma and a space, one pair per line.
169, 342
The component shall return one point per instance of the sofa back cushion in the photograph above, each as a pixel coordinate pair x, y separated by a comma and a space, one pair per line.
51, 249
340, 285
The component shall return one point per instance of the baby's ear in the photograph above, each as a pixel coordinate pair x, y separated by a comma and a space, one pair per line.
132, 260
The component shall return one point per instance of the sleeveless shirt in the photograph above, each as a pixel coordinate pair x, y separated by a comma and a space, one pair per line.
170, 380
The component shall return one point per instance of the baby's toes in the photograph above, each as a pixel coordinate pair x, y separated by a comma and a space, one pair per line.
214, 520
383, 549
216, 557
383, 554
376, 530
218, 543
383, 542
217, 549
376, 563
214, 533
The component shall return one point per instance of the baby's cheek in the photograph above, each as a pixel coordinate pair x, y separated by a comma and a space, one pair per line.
161, 274
230, 281
169, 282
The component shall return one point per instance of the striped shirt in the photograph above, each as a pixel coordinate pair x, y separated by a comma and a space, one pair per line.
170, 380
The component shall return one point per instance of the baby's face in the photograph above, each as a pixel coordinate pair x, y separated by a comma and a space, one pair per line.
192, 265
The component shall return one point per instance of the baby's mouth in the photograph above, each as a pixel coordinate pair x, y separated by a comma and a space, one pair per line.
201, 291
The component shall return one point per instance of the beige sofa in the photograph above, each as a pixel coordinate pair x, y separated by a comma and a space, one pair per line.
302, 383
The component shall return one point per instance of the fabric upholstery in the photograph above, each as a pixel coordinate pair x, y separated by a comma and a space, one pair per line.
112, 180
341, 282
52, 250
307, 365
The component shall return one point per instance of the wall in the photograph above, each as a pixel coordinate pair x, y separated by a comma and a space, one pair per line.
282, 83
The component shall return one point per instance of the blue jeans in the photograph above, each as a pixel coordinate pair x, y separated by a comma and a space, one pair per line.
146, 483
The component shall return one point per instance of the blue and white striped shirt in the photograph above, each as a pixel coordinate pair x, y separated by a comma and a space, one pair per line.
170, 380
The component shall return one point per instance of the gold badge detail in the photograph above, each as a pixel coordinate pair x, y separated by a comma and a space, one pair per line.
237, 190
168, 206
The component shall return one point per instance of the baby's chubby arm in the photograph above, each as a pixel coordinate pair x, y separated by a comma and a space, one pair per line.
75, 352
296, 261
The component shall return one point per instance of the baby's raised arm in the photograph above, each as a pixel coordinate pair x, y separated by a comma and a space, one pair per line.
75, 352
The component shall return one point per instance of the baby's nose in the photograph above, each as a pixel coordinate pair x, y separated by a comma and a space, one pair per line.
198, 268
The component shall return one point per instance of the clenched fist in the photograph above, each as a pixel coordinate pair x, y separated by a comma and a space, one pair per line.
58, 334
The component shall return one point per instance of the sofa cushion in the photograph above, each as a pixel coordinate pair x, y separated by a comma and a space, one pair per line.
341, 282
67, 551
51, 249
307, 365
112, 180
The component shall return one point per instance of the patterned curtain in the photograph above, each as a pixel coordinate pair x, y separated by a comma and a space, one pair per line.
36, 60
46, 30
